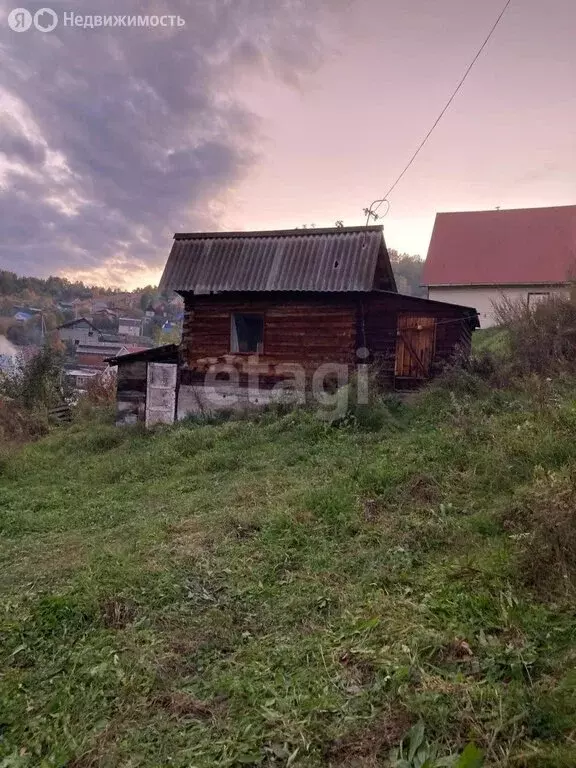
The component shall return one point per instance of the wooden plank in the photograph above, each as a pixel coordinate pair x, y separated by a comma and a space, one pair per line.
62, 413
415, 349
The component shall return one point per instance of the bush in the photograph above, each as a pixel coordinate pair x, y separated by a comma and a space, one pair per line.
38, 384
532, 347
18, 425
540, 339
101, 390
461, 379
542, 520
98, 402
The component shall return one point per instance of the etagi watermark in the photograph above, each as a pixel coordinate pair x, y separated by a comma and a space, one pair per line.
328, 386
46, 20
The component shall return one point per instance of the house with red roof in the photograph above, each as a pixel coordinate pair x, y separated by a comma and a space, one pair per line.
476, 258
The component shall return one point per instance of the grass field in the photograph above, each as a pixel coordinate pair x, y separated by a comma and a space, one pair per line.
490, 340
285, 593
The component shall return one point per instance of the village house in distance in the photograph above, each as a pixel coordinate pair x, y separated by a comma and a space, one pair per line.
88, 348
479, 257
276, 299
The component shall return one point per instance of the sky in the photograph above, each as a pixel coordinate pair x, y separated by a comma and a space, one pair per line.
263, 114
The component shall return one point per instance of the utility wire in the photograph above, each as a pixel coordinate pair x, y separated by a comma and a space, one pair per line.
372, 211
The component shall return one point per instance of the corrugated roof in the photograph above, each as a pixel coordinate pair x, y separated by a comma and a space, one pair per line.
77, 321
97, 349
470, 313
520, 246
168, 353
339, 259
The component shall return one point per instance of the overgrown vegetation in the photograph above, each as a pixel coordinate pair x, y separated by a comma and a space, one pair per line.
394, 587
528, 349
27, 393
540, 339
282, 591
542, 518
38, 383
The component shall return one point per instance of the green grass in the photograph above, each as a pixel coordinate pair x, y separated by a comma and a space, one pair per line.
282, 592
490, 340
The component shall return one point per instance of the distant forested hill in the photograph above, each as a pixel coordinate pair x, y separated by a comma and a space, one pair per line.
57, 288
408, 272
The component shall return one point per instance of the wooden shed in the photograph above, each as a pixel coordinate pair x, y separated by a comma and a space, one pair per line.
146, 385
264, 307
308, 298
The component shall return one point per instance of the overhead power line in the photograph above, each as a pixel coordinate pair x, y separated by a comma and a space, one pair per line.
371, 212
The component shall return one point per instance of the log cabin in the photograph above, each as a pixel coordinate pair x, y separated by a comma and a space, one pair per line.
264, 310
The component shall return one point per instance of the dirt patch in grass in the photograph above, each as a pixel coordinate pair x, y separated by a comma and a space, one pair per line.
117, 613
458, 650
372, 510
420, 490
189, 538
242, 529
182, 704
358, 671
180, 661
423, 489
369, 746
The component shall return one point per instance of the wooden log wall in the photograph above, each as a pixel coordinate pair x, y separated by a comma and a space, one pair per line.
308, 331
379, 323
314, 329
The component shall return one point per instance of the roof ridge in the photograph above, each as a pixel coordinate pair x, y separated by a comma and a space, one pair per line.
68, 323
508, 210
280, 232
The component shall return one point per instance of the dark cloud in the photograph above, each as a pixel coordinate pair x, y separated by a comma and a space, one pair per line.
114, 138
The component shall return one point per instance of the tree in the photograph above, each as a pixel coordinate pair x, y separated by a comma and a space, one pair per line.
408, 273
147, 297
163, 336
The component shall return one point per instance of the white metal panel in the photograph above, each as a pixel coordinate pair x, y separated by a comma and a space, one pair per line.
161, 393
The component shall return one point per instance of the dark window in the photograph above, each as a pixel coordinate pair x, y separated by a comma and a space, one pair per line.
247, 333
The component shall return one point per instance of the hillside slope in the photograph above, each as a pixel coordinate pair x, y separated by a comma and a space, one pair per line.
283, 592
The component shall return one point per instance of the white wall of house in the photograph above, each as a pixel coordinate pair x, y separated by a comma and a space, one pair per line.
482, 298
79, 333
129, 327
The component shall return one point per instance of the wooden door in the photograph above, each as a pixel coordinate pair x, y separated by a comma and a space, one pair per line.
415, 346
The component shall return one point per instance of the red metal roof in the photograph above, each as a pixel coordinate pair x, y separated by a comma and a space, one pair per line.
524, 245
131, 348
